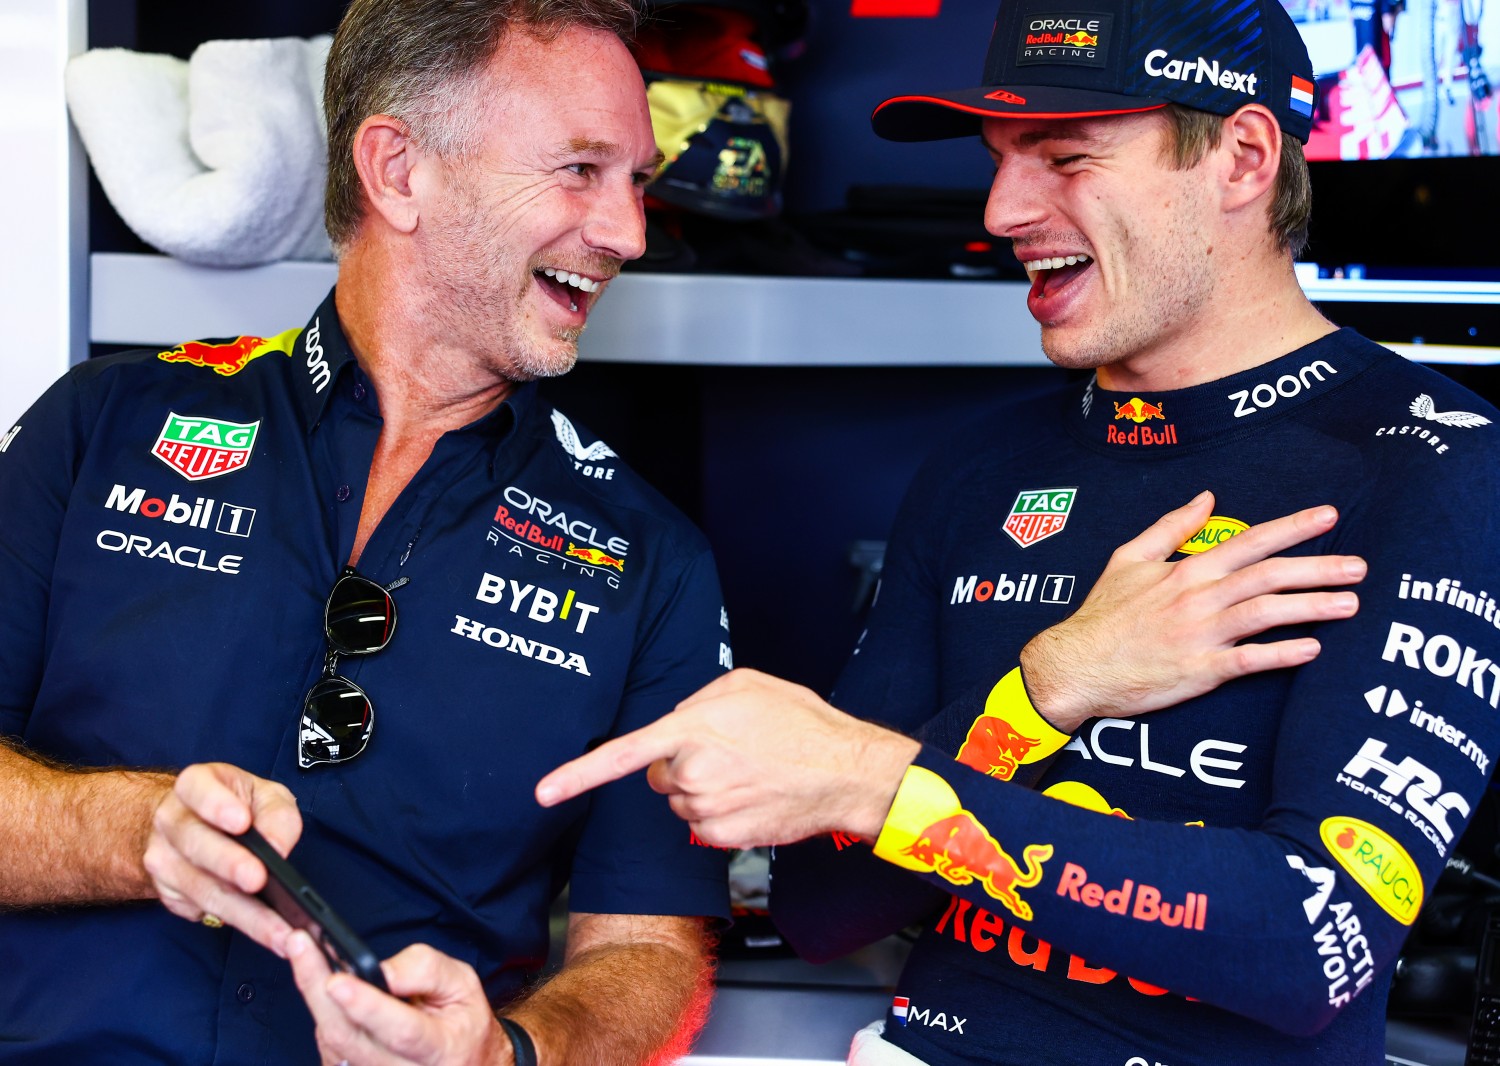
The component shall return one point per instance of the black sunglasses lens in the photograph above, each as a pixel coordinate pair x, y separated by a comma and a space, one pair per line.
336, 722
360, 617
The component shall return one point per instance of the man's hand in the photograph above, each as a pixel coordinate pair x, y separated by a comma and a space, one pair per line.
448, 1021
750, 759
197, 869
1151, 634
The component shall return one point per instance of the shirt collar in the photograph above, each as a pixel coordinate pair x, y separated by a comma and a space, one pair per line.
1155, 423
324, 357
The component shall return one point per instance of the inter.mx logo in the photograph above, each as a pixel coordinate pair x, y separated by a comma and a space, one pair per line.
229, 518
1038, 514
201, 448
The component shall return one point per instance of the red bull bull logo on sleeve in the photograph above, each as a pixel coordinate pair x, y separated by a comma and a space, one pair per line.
230, 358
994, 747
1038, 514
961, 851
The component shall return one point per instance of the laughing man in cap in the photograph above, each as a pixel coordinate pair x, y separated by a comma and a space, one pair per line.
1230, 879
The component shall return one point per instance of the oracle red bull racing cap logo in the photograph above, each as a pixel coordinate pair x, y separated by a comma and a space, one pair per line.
201, 448
1038, 514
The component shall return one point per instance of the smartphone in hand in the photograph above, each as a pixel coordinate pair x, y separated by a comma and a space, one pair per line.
288, 893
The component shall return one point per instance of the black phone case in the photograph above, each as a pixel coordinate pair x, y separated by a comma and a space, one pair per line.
289, 894
1484, 1035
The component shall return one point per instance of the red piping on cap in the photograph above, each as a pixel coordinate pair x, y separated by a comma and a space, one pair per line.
1013, 114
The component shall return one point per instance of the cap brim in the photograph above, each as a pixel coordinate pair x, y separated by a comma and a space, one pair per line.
938, 116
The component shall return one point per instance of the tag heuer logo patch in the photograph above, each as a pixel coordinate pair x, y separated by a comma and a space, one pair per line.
201, 448
1038, 513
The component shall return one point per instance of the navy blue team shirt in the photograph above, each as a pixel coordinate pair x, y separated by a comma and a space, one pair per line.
173, 524
1226, 881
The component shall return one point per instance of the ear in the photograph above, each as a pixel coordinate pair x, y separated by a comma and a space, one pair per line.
1253, 140
385, 157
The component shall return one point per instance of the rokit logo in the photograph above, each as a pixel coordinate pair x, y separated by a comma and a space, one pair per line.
1427, 805
1343, 950
1264, 396
1024, 588
1199, 70
1393, 704
1442, 656
1200, 761
230, 519
905, 1014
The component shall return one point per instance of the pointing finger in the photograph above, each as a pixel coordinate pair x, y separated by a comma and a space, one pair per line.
609, 762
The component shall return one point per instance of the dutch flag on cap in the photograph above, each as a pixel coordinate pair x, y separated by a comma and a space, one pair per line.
898, 1008
1302, 96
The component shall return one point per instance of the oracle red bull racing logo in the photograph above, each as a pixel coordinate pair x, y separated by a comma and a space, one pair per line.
201, 448
961, 851
1038, 514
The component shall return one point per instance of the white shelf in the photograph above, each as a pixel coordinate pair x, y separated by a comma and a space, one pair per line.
703, 319
645, 318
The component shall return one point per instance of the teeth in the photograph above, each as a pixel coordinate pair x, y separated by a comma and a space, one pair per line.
1033, 265
578, 281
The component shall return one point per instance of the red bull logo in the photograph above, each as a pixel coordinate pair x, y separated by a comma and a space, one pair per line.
1138, 410
1081, 40
961, 851
594, 557
230, 358
1142, 902
994, 748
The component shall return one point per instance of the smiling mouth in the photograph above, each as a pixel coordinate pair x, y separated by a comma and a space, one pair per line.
1049, 275
568, 288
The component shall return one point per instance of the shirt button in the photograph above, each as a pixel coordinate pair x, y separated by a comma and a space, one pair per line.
342, 494
245, 993
359, 390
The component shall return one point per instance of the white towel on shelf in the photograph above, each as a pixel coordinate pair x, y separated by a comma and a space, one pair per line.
218, 160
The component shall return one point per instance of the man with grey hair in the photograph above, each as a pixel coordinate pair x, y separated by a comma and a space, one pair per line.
176, 519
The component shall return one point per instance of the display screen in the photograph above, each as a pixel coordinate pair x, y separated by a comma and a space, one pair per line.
1402, 78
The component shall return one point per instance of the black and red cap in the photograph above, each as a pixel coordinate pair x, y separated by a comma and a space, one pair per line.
1085, 58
